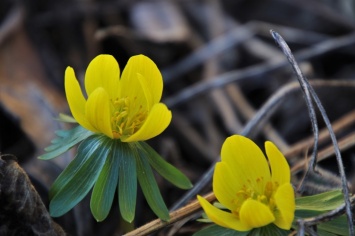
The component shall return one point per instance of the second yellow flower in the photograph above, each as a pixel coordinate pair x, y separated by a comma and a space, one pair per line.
255, 193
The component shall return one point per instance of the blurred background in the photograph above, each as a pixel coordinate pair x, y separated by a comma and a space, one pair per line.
219, 64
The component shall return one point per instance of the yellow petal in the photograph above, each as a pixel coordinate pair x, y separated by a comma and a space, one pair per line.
144, 66
285, 202
222, 218
103, 71
255, 214
245, 157
98, 111
226, 185
280, 170
147, 93
157, 121
76, 99
132, 86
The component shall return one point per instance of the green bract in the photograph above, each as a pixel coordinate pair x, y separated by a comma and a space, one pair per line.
104, 165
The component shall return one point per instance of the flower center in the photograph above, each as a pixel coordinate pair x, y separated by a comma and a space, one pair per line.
127, 117
252, 192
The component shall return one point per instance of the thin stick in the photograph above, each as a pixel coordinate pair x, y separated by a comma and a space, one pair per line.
306, 92
247, 111
13, 20
174, 216
218, 45
344, 144
202, 182
249, 130
307, 89
252, 71
339, 125
262, 115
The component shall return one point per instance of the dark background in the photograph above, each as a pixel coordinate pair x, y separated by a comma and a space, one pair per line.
195, 44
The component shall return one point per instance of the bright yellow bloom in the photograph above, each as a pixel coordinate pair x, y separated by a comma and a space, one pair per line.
125, 108
242, 182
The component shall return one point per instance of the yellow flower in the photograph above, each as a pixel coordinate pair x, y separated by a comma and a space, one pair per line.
242, 182
125, 108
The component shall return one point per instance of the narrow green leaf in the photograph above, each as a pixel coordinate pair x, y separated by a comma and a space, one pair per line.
66, 139
214, 230
315, 205
127, 185
72, 186
337, 226
84, 152
325, 233
150, 188
301, 214
105, 188
165, 169
321, 202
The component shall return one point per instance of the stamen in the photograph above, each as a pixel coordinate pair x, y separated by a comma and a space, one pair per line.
248, 192
126, 118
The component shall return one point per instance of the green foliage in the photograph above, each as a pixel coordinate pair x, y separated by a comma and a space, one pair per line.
77, 179
269, 230
127, 186
105, 165
320, 202
168, 171
150, 188
316, 205
66, 139
306, 207
105, 188
213, 230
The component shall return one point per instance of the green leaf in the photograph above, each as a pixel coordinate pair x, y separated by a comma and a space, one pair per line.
337, 226
105, 188
66, 139
325, 233
214, 230
269, 230
85, 150
78, 178
150, 188
168, 171
321, 202
315, 205
127, 185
